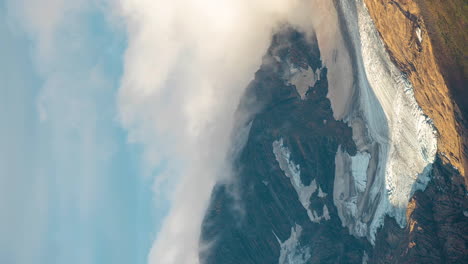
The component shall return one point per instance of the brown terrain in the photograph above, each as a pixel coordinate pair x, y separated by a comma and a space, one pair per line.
436, 65
437, 230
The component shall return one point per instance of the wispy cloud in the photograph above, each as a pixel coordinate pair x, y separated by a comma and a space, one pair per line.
186, 67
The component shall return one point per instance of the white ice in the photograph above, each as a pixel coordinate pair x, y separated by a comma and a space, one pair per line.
291, 251
302, 79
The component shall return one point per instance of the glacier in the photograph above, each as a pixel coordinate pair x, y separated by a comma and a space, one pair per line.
396, 141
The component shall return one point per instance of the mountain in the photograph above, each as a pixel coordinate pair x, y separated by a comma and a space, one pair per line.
285, 209
384, 184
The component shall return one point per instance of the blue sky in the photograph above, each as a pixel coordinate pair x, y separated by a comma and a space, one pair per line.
70, 183
116, 120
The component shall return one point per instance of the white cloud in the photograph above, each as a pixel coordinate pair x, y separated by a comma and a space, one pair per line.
186, 67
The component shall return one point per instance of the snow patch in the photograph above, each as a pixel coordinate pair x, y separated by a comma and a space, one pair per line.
316, 218
291, 251
293, 172
321, 193
365, 258
302, 79
419, 34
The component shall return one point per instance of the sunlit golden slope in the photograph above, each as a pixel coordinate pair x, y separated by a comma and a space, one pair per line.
405, 32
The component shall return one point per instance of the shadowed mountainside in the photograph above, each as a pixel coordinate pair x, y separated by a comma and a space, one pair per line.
269, 206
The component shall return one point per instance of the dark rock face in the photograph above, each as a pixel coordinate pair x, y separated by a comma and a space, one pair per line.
248, 222
437, 230
269, 205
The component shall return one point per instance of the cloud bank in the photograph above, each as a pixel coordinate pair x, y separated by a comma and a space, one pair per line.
186, 67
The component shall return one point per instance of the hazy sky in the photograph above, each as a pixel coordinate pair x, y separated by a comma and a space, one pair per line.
71, 186
116, 119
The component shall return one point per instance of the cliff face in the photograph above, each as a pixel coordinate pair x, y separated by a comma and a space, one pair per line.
409, 42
